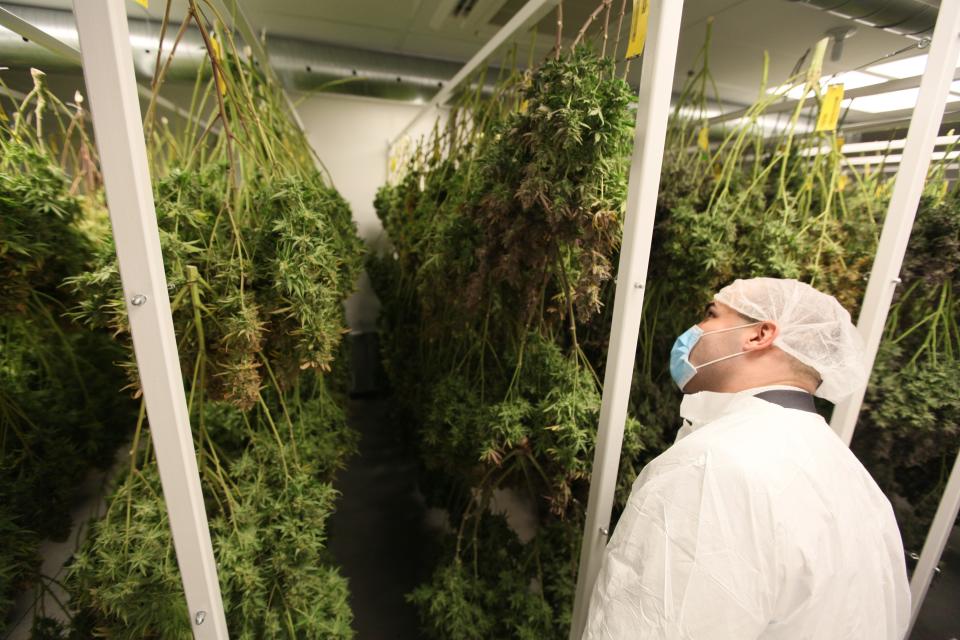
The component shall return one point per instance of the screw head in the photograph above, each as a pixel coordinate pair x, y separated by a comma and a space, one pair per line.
200, 617
138, 300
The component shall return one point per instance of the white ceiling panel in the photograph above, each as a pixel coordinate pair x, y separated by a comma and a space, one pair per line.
742, 31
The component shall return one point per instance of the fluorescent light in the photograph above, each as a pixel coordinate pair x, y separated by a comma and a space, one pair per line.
904, 68
696, 113
891, 101
849, 80
896, 158
880, 145
771, 123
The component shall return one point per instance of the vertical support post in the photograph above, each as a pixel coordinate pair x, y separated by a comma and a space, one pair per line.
108, 70
935, 543
907, 189
653, 111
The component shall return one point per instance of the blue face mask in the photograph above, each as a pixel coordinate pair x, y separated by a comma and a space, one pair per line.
681, 369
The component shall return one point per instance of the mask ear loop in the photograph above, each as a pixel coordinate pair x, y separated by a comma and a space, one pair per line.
732, 355
740, 326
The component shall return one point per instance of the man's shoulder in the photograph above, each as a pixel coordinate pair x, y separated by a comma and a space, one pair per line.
754, 445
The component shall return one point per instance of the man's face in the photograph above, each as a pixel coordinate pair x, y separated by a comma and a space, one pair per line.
716, 316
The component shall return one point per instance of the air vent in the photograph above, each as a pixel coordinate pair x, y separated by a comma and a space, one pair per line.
912, 18
463, 8
465, 14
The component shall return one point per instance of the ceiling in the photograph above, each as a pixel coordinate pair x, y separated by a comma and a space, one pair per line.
742, 31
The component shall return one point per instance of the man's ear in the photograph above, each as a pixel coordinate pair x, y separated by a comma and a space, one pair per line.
762, 336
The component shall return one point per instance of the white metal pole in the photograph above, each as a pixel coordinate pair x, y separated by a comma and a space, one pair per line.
115, 109
937, 537
533, 10
653, 111
907, 189
36, 35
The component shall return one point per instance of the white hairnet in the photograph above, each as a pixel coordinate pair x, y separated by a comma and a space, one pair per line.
813, 328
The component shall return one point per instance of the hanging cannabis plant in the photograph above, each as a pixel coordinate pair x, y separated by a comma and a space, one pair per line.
259, 251
61, 411
909, 430
515, 203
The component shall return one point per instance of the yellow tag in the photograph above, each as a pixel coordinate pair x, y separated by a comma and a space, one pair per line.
524, 105
830, 108
638, 28
703, 138
221, 83
143, 3
842, 182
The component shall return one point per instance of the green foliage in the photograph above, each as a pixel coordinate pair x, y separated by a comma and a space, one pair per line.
550, 187
269, 539
40, 242
270, 282
17, 556
514, 590
61, 411
909, 430
519, 210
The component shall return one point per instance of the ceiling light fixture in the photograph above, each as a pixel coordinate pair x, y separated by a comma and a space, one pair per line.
891, 101
849, 80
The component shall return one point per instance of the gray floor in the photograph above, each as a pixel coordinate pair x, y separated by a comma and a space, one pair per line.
378, 535
940, 616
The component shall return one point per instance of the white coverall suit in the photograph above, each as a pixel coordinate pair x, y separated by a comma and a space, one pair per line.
758, 523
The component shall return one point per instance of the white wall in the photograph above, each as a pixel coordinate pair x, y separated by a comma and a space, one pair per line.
351, 135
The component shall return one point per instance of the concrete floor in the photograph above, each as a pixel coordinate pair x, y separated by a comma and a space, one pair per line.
378, 534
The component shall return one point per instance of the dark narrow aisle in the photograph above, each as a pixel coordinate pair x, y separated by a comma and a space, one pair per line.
378, 534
